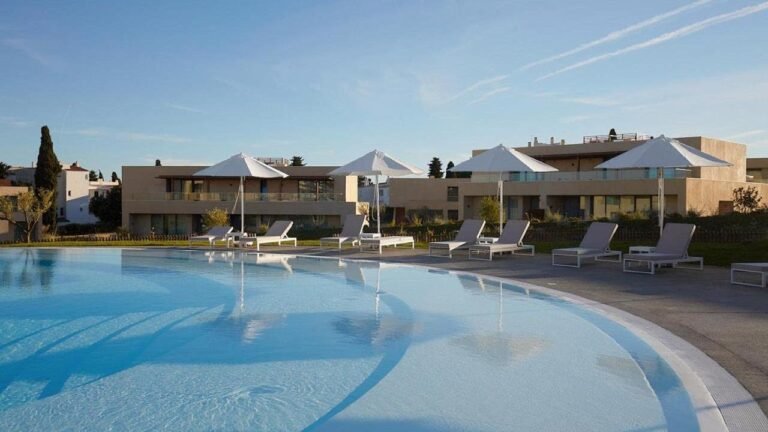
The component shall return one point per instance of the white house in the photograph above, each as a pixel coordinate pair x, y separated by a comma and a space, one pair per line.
74, 191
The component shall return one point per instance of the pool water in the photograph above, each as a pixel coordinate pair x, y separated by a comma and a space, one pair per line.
97, 339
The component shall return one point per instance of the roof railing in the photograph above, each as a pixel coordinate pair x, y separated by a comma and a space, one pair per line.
618, 137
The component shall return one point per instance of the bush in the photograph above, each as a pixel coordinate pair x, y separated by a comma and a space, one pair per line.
215, 217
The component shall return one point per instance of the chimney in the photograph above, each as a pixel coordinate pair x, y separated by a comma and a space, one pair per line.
535, 140
529, 143
562, 142
551, 140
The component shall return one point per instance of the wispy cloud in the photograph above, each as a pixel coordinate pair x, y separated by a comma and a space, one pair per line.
747, 134
128, 136
576, 118
618, 34
490, 94
591, 100
666, 37
432, 92
14, 121
26, 47
185, 108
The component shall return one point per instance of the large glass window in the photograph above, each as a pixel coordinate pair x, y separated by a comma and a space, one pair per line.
598, 207
315, 190
627, 204
612, 206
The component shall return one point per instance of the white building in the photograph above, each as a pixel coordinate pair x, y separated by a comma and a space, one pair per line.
74, 191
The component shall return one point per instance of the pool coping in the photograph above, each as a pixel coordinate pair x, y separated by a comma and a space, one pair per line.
720, 401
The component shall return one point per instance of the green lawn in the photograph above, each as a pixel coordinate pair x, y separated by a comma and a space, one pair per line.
719, 254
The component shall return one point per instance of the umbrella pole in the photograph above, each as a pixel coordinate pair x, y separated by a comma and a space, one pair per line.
378, 213
501, 204
661, 200
242, 207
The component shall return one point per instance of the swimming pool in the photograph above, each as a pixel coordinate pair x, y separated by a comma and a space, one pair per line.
93, 339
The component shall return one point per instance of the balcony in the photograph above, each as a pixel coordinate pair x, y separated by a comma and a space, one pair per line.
596, 175
230, 197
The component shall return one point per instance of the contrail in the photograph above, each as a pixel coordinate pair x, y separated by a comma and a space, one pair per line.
683, 31
618, 34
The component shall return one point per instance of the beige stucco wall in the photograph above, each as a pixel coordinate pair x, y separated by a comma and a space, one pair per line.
144, 195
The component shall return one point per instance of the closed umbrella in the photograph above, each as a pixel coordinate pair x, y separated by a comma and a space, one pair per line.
501, 159
660, 153
376, 163
241, 165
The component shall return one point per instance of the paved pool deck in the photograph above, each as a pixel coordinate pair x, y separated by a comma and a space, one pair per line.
727, 322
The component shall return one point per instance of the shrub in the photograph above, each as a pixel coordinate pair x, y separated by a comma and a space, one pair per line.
215, 217
746, 200
489, 210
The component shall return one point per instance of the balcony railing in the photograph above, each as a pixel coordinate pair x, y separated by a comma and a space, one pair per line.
618, 137
596, 175
230, 196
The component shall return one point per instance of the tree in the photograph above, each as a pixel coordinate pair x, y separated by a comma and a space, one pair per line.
448, 172
92, 176
32, 206
436, 168
746, 200
108, 207
4, 169
158, 163
489, 210
115, 178
46, 175
297, 161
101, 176
215, 217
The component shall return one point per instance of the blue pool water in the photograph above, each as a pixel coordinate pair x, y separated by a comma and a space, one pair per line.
189, 340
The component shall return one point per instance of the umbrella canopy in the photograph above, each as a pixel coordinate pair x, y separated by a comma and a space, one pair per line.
660, 153
501, 159
663, 152
376, 163
241, 165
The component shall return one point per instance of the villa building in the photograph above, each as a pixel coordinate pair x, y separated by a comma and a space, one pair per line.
74, 191
171, 200
580, 190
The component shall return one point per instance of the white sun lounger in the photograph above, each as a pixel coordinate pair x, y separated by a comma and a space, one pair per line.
671, 249
277, 233
379, 243
214, 234
761, 269
350, 233
511, 240
467, 236
595, 244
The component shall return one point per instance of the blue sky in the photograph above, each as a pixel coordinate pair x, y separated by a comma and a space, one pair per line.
124, 83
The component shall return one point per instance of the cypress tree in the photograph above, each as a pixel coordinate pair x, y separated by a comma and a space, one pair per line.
448, 172
101, 176
115, 178
46, 174
435, 168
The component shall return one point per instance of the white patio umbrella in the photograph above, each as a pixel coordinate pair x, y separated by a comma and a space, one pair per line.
501, 159
241, 165
660, 153
376, 163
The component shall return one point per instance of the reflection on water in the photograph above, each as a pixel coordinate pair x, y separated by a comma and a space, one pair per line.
369, 330
27, 268
501, 349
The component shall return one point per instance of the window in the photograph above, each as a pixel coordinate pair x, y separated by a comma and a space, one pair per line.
453, 193
69, 193
453, 215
